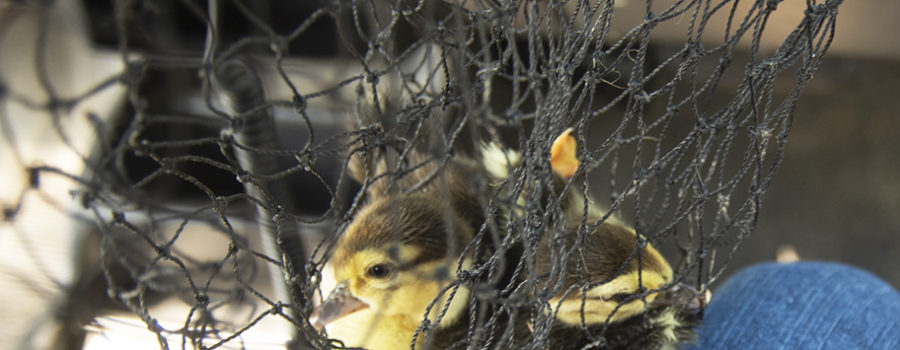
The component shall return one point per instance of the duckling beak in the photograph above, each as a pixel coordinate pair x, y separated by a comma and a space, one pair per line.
338, 304
679, 293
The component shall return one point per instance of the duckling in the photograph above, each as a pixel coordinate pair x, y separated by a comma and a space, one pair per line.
602, 284
397, 262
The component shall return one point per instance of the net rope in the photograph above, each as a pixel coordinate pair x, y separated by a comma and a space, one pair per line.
240, 121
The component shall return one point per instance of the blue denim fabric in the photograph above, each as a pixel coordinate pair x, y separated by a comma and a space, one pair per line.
803, 305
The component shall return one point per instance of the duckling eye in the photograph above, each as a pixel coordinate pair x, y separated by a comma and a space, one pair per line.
379, 271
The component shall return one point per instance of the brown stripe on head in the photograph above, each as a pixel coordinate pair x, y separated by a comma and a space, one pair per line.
605, 253
420, 220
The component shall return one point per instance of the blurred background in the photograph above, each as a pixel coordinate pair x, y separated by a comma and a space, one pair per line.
835, 198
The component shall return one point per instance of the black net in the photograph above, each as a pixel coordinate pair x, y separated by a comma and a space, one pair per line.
202, 154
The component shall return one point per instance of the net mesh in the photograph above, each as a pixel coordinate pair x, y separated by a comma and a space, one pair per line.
207, 144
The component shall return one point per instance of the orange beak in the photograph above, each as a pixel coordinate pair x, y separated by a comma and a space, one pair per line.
338, 304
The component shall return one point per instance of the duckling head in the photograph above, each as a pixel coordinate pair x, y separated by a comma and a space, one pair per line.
606, 277
609, 274
393, 267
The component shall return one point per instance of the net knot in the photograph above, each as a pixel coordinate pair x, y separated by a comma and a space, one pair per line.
278, 214
163, 251
87, 199
464, 275
279, 45
299, 104
651, 18
9, 213
276, 309
244, 176
142, 148
372, 78
201, 300
226, 136
829, 8
133, 73
638, 93
118, 217
306, 158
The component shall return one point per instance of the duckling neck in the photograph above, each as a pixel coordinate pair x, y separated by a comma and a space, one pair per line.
371, 329
455, 311
451, 327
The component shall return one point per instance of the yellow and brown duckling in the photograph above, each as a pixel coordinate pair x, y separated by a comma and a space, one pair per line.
397, 262
611, 295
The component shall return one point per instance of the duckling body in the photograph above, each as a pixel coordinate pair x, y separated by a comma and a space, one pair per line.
636, 333
607, 302
609, 287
